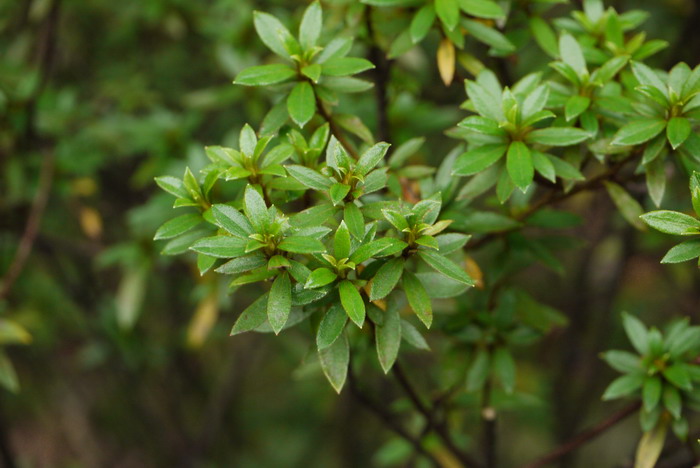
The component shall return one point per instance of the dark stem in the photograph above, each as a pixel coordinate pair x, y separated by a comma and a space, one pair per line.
6, 456
382, 74
488, 416
388, 419
335, 130
32, 227
584, 437
438, 426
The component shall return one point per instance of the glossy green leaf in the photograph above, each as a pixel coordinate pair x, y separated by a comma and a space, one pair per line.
388, 338
301, 103
519, 164
352, 302
335, 360
279, 302
331, 326
264, 75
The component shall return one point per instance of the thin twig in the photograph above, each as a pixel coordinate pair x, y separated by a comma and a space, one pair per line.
32, 227
388, 419
381, 73
556, 194
439, 426
584, 437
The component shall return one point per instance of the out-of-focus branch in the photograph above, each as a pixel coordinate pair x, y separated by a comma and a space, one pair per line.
438, 426
32, 227
584, 437
388, 419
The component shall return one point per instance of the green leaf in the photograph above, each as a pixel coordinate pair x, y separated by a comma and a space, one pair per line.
651, 393
220, 246
320, 277
623, 361
371, 158
478, 159
242, 264
418, 298
264, 75
309, 177
482, 9
647, 76
173, 186
677, 131
535, 101
301, 103
334, 362
448, 12
629, 208
388, 338
636, 332
557, 136
683, 252
479, 371
412, 336
695, 191
571, 54
398, 220
519, 165
331, 326
488, 36
672, 401
544, 166
343, 66
422, 22
279, 302
255, 209
544, 36
232, 220
623, 386
252, 317
672, 222
8, 376
656, 179
341, 242
352, 302
177, 226
301, 244
678, 376
386, 278
338, 192
371, 249
312, 71
638, 131
404, 151
485, 103
274, 35
310, 27
446, 267
503, 367
354, 220
575, 106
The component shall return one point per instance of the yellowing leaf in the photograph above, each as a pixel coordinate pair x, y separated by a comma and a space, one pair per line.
446, 61
203, 320
91, 222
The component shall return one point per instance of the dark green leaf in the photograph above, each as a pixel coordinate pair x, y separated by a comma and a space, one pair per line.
334, 362
331, 326
519, 164
279, 302
301, 103
386, 279
388, 338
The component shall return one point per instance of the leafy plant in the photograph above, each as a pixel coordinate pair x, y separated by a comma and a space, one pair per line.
348, 237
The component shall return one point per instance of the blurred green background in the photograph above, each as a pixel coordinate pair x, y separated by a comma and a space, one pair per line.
130, 363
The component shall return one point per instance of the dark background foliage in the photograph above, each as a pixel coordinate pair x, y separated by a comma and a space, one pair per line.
100, 97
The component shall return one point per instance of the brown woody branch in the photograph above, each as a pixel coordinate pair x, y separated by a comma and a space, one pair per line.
335, 130
584, 437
